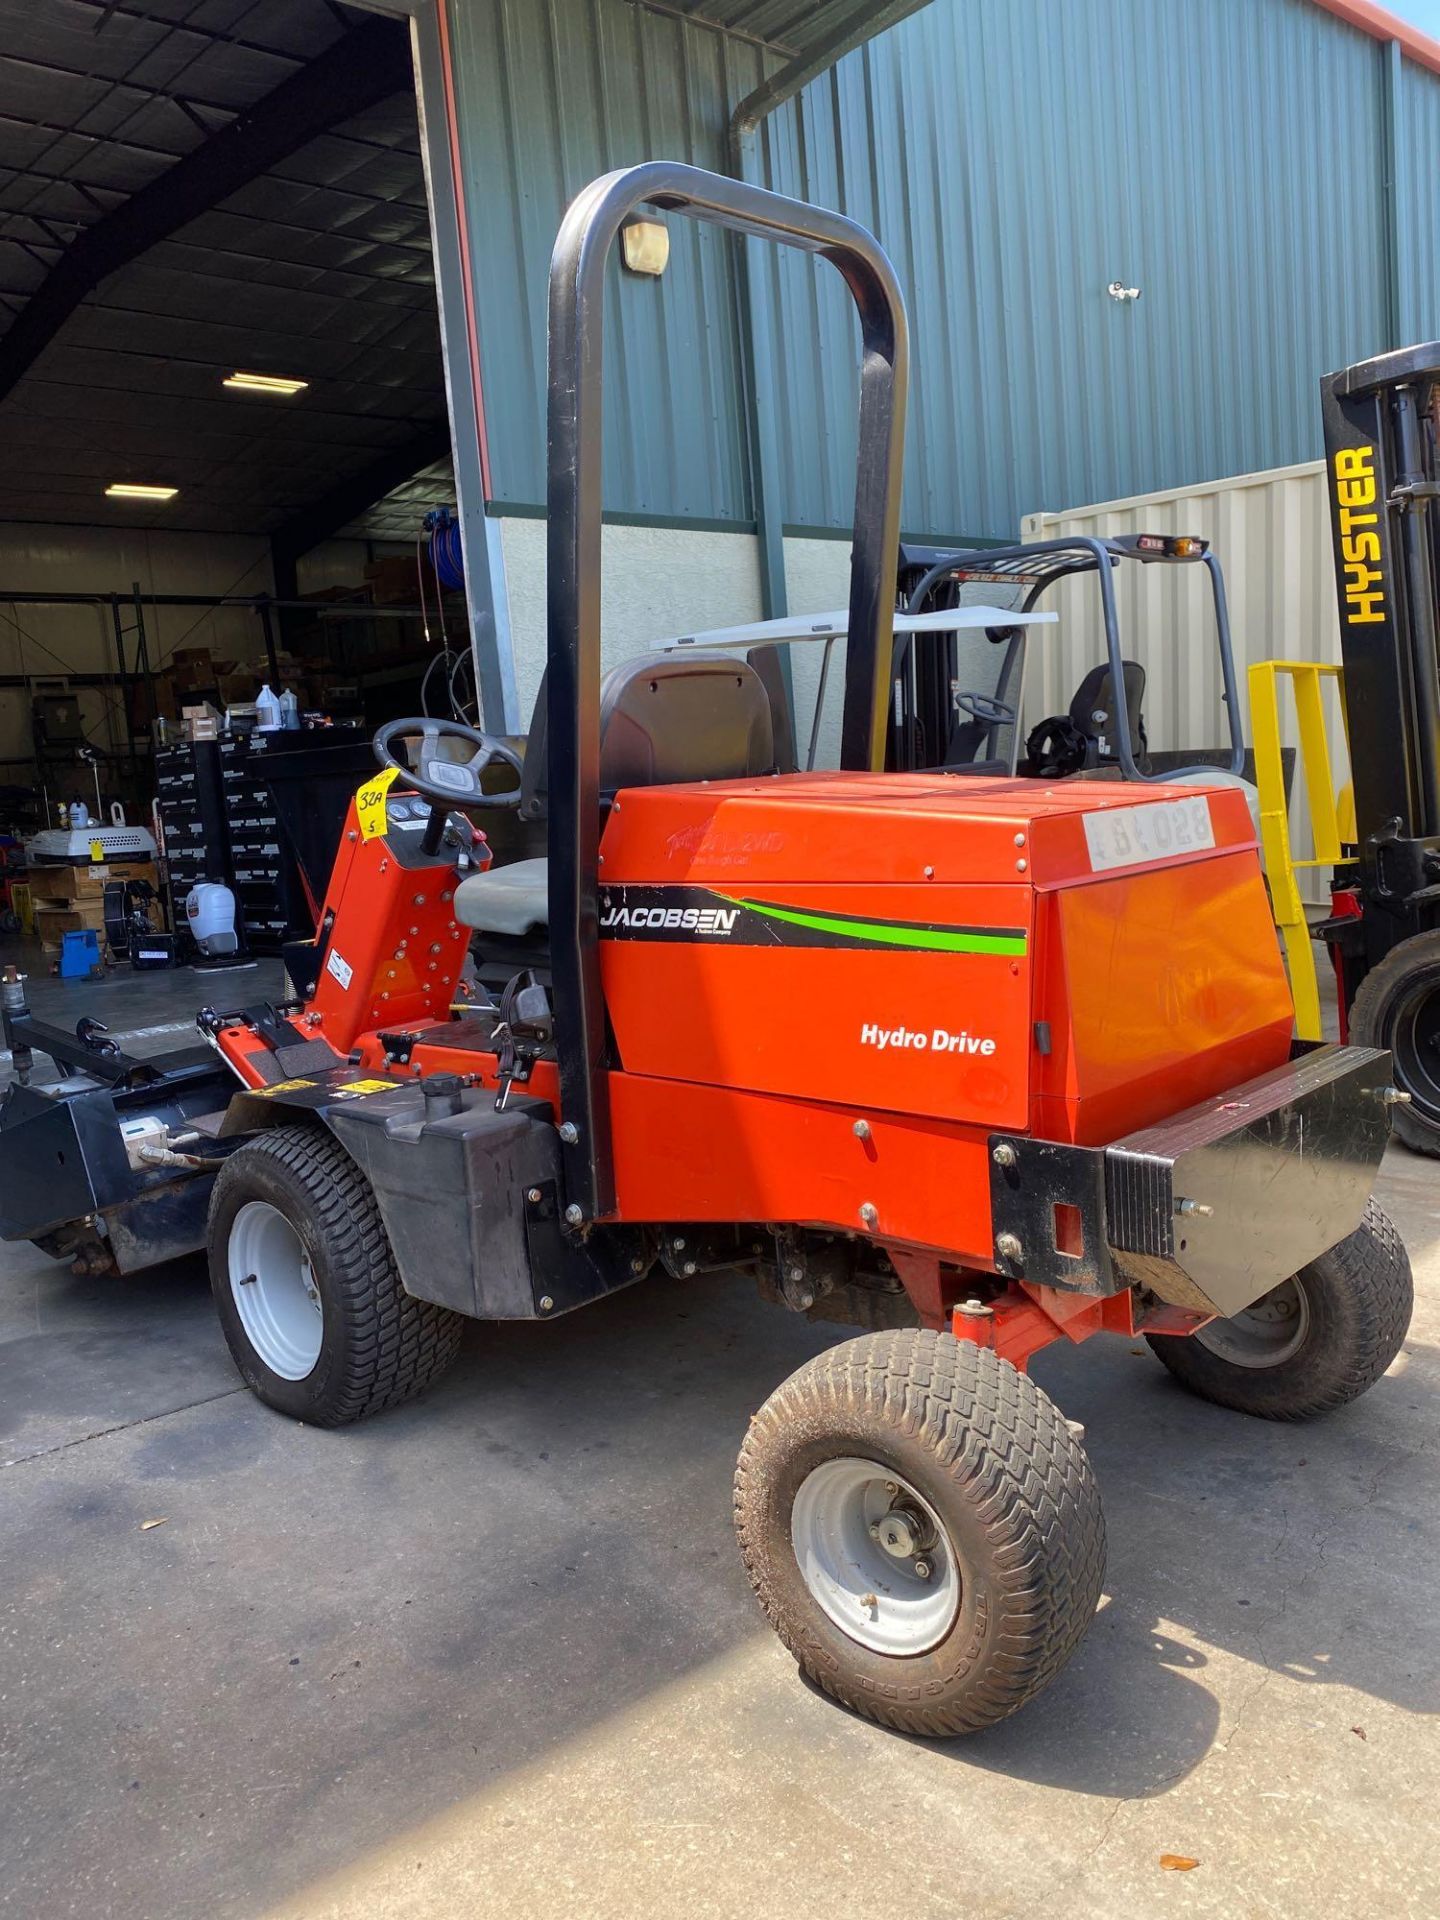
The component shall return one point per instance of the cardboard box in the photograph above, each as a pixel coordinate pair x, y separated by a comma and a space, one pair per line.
238, 688
195, 665
201, 723
58, 886
53, 922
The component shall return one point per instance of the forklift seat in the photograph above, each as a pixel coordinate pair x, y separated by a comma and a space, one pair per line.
1082, 740
663, 718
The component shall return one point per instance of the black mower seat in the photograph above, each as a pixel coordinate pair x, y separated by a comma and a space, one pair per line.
666, 717
663, 718
511, 899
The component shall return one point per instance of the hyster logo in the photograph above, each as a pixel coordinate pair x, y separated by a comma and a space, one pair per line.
713, 920
1355, 500
939, 1040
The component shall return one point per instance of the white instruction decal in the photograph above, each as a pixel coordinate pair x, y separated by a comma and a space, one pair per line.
340, 969
1156, 830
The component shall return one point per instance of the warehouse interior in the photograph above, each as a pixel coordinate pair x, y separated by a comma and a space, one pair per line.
223, 407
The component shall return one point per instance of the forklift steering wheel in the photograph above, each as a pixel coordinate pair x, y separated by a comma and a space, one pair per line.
449, 783
979, 706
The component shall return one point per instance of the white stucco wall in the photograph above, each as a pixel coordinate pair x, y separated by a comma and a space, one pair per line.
817, 580
657, 582
660, 582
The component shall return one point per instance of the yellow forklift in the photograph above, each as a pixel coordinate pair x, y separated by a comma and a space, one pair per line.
1380, 837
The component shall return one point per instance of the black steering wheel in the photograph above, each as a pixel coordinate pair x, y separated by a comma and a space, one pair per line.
449, 783
979, 706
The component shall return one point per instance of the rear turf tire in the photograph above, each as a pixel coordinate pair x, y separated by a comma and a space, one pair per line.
1348, 1311
980, 1450
1397, 1006
375, 1345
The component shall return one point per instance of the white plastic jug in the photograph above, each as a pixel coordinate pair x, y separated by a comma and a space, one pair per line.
289, 709
267, 710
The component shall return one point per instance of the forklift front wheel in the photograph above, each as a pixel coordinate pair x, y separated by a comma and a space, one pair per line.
305, 1285
922, 1528
1312, 1344
1397, 1005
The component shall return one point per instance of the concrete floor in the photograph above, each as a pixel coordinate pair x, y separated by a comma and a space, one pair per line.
495, 1653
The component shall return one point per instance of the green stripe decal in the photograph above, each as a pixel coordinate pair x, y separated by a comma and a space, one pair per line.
927, 939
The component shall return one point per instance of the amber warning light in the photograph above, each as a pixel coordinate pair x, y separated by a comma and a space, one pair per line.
1170, 546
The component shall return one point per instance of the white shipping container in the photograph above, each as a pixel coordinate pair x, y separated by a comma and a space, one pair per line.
1271, 532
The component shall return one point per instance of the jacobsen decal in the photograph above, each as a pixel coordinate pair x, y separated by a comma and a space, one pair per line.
695, 913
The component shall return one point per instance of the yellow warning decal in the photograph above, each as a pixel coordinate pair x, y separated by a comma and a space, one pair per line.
370, 803
283, 1086
365, 1086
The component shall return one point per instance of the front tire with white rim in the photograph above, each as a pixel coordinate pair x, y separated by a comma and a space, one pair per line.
306, 1287
922, 1528
1312, 1344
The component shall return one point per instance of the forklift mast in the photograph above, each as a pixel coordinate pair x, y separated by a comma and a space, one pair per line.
1382, 459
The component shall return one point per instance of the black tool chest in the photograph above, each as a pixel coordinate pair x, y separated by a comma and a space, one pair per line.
221, 824
269, 904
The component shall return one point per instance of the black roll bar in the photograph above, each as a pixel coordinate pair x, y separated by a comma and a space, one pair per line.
577, 287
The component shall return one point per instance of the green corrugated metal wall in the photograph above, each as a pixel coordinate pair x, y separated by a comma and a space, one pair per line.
549, 94
1228, 157
1418, 202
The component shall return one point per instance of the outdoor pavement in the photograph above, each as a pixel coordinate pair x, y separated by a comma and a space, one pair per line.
495, 1653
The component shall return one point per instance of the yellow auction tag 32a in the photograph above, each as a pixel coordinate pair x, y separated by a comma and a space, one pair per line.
370, 803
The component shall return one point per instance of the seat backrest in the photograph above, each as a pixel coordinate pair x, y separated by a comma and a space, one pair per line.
1092, 711
666, 717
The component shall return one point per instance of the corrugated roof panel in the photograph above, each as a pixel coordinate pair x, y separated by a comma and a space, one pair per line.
1015, 158
322, 268
789, 26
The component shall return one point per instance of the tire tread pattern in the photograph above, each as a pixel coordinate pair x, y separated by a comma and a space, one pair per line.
1372, 1022
1361, 1301
1017, 1464
396, 1345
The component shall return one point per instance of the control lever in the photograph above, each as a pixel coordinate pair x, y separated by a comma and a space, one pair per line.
525, 1029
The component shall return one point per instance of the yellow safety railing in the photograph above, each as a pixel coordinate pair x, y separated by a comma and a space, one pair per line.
1331, 814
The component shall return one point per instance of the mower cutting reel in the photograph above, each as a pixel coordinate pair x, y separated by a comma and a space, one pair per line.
907, 1048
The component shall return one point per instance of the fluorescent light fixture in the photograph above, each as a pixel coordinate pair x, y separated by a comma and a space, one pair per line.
266, 383
132, 490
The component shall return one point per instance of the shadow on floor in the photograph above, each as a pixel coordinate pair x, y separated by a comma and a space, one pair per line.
333, 1636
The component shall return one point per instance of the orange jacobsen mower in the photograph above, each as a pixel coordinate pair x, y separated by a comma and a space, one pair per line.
972, 1064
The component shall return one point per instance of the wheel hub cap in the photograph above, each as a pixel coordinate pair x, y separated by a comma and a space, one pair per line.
902, 1533
1264, 1335
273, 1286
875, 1557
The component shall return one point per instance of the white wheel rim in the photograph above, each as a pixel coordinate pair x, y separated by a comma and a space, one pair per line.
875, 1595
1264, 1335
273, 1286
